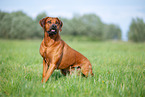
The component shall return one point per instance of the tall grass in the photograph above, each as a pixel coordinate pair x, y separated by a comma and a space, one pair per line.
119, 70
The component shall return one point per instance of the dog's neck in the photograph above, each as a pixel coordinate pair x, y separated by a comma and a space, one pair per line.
51, 39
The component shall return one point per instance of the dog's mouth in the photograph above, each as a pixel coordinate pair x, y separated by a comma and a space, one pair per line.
52, 32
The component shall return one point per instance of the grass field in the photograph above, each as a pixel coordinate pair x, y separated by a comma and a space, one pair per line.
119, 71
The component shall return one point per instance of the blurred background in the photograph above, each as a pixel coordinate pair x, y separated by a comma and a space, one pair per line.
99, 20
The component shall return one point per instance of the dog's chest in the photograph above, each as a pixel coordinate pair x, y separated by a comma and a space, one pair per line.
42, 51
45, 52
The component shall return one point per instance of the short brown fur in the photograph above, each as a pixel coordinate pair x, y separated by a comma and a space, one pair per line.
57, 54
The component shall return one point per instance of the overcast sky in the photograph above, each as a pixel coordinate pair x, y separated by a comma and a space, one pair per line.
119, 12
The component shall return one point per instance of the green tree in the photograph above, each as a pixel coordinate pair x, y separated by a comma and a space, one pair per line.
2, 15
38, 30
66, 29
111, 31
86, 25
16, 25
40, 16
137, 30
93, 26
22, 27
5, 24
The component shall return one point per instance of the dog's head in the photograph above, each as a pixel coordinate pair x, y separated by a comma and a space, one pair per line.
51, 25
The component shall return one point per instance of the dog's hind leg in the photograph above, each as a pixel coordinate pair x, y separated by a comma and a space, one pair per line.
63, 71
86, 69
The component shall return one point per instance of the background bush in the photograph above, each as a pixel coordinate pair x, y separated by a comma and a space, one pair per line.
18, 25
137, 30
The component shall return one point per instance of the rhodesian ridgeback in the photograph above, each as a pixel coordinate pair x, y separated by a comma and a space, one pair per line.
57, 54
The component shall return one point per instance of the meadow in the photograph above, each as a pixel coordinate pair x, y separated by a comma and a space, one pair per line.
118, 67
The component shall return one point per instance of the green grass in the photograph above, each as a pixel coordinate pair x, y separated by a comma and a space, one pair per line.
119, 70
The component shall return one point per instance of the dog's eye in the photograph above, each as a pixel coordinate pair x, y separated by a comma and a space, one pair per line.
49, 22
56, 22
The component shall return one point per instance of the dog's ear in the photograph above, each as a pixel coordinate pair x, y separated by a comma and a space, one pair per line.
60, 24
42, 22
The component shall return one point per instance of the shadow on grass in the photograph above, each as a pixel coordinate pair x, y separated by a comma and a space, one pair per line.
56, 75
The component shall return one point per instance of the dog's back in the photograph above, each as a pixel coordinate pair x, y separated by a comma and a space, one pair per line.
71, 57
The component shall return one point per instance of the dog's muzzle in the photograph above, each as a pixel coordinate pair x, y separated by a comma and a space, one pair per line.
53, 30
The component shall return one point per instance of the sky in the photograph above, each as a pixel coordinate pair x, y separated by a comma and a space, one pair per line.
119, 12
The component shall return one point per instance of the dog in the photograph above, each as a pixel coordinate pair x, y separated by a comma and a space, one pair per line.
57, 54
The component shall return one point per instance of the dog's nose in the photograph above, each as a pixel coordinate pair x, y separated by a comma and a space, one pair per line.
54, 26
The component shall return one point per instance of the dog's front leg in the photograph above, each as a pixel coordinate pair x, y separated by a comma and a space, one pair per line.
45, 67
49, 72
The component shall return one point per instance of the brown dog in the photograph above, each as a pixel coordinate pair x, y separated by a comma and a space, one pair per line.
57, 54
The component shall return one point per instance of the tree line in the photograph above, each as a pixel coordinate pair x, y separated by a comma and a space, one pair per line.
18, 25
136, 31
